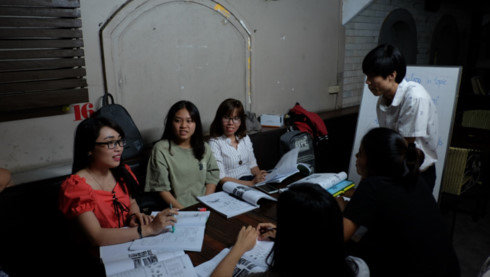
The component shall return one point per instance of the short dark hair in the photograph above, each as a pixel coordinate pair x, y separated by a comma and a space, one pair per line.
383, 60
197, 139
226, 108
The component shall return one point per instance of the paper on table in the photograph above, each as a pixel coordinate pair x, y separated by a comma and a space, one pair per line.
188, 238
226, 204
252, 261
175, 266
326, 180
189, 218
118, 258
230, 206
249, 194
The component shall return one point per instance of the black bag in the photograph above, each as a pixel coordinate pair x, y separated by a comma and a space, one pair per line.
303, 141
118, 114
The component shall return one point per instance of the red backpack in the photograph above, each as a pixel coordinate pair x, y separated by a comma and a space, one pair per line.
306, 121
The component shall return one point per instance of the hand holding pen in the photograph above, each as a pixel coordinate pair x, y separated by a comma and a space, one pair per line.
166, 217
267, 231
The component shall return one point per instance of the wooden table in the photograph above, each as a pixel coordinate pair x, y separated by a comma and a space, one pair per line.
221, 232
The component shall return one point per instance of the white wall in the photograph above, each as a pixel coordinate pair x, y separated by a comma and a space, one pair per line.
295, 46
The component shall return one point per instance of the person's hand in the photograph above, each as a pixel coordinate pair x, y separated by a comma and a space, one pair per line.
260, 177
246, 239
267, 231
140, 218
162, 220
341, 201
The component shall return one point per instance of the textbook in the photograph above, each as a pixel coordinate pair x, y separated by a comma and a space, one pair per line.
188, 234
334, 183
235, 199
252, 261
287, 166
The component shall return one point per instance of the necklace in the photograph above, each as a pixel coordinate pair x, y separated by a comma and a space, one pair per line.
95, 179
234, 143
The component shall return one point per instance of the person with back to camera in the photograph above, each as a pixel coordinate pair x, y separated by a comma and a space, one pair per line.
308, 238
232, 147
181, 165
99, 193
405, 107
406, 234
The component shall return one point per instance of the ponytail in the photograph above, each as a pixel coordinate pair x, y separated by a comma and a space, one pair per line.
414, 157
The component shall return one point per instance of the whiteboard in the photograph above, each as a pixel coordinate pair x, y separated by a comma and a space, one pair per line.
442, 83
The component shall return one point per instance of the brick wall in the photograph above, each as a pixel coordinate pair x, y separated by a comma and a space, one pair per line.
362, 35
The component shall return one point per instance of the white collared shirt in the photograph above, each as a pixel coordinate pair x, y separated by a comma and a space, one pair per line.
413, 114
233, 162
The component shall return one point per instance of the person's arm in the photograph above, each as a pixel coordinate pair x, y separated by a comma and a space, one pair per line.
210, 188
107, 236
241, 182
136, 216
5, 178
349, 229
245, 241
169, 198
259, 175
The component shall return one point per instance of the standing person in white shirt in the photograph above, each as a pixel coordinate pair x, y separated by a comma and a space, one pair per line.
232, 147
405, 107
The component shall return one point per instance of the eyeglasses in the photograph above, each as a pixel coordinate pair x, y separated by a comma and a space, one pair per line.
112, 144
235, 119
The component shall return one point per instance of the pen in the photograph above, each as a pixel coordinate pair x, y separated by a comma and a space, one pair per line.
173, 227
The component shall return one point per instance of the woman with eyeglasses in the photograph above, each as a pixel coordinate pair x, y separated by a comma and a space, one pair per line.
99, 193
181, 165
232, 147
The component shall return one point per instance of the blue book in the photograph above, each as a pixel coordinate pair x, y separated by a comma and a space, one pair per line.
341, 187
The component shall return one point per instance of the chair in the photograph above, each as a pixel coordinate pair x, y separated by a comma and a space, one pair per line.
467, 165
478, 119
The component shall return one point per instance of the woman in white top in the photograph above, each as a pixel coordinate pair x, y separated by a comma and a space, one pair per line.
232, 147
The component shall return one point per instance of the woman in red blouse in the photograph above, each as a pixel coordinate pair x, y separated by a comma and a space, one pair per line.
99, 192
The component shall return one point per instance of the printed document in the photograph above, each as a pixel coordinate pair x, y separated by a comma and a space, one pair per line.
118, 258
176, 266
188, 234
287, 166
235, 199
252, 261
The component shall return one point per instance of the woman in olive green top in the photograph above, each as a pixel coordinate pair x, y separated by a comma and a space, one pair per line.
181, 165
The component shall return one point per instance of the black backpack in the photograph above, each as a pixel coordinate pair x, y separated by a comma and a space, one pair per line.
118, 114
303, 141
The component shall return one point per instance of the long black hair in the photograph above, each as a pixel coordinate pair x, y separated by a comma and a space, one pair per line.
383, 60
226, 108
197, 139
310, 236
86, 135
389, 154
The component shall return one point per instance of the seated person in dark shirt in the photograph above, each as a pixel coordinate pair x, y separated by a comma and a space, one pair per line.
405, 235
